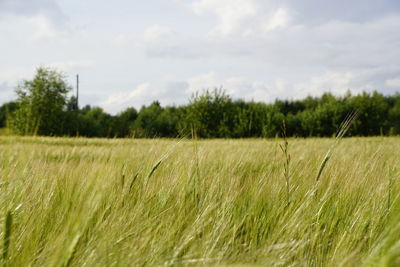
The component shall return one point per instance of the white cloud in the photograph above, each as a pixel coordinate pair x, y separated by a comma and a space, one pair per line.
243, 17
72, 65
12, 75
29, 8
119, 101
37, 19
203, 82
121, 39
279, 19
393, 82
157, 32
241, 87
356, 81
44, 27
258, 49
235, 86
365, 52
6, 93
143, 94
31, 28
334, 82
179, 92
231, 13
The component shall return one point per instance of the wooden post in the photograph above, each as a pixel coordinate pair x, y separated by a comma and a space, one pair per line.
77, 91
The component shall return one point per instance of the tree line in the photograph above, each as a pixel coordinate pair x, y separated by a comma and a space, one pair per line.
43, 108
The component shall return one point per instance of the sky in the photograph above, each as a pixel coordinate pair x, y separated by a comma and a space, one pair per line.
132, 52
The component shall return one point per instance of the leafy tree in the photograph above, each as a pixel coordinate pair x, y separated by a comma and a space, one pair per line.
325, 118
43, 108
374, 112
394, 115
41, 104
273, 122
168, 121
251, 119
5, 110
147, 123
210, 114
122, 125
95, 123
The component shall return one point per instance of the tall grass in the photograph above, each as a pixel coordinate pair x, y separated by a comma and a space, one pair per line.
7, 235
286, 165
95, 202
344, 127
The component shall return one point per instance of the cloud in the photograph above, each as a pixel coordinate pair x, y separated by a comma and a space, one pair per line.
334, 82
121, 100
11, 75
305, 12
279, 19
179, 92
30, 28
313, 12
256, 49
122, 39
243, 17
159, 41
72, 65
275, 33
157, 32
231, 13
238, 87
44, 27
385, 80
6, 93
28, 8
376, 79
167, 92
176, 92
335, 46
42, 19
144, 94
394, 82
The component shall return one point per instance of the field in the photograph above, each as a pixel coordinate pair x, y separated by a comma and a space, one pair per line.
94, 202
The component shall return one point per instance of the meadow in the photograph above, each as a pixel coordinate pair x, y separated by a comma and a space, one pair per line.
169, 202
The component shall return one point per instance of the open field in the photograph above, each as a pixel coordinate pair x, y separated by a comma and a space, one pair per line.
93, 202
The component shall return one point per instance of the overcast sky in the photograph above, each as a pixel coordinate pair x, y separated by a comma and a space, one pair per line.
131, 52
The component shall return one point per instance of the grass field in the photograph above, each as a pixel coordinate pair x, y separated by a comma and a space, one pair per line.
93, 202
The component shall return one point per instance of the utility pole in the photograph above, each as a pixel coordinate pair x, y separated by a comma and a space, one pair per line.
77, 91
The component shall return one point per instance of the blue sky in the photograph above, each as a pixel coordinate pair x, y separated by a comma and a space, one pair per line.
129, 53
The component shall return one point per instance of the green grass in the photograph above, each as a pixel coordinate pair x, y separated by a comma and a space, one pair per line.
93, 202
5, 132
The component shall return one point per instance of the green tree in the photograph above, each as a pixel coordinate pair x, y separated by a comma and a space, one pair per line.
5, 110
96, 123
374, 113
41, 104
147, 124
123, 122
211, 115
394, 116
250, 119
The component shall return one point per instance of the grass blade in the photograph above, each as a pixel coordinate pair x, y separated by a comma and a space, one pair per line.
345, 126
71, 250
7, 235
